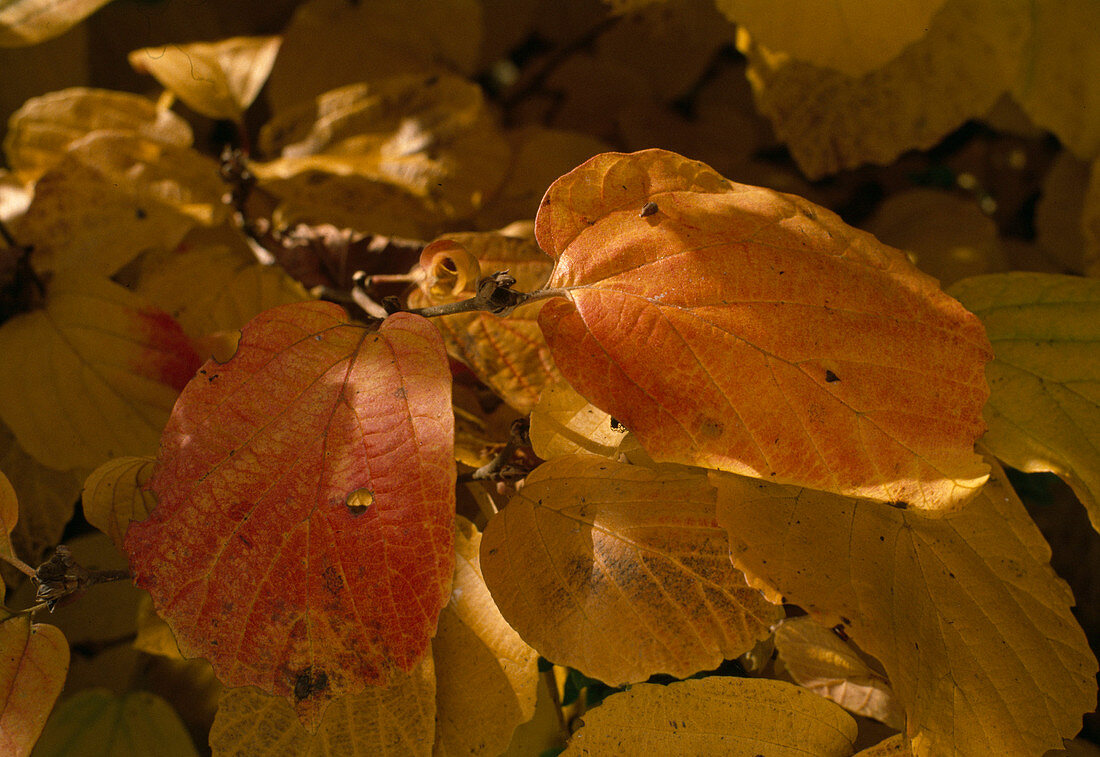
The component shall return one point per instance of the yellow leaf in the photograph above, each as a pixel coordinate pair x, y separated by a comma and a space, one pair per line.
895, 746
849, 36
216, 79
33, 661
154, 636
546, 728
40, 132
397, 719
432, 136
539, 155
212, 288
1044, 404
508, 354
98, 722
115, 494
113, 196
95, 351
620, 571
565, 423
970, 623
717, 715
1059, 82
53, 492
946, 236
387, 37
9, 515
1059, 214
25, 22
486, 676
955, 72
817, 659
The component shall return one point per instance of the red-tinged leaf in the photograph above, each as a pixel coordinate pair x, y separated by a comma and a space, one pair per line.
746, 330
34, 659
303, 540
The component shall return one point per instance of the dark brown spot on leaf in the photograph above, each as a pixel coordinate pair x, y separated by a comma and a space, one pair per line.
309, 682
831, 377
650, 208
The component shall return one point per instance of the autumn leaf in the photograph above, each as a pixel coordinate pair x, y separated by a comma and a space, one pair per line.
956, 71
213, 288
115, 494
738, 328
432, 136
40, 132
970, 623
1058, 85
26, 22
217, 79
33, 661
53, 492
565, 423
620, 571
716, 715
99, 722
486, 675
508, 354
846, 35
397, 719
815, 657
115, 195
303, 540
95, 351
1043, 411
9, 514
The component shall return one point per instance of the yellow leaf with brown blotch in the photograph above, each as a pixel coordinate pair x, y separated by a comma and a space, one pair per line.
40, 132
716, 715
738, 328
972, 626
620, 571
818, 659
486, 676
508, 354
1044, 404
115, 494
95, 351
33, 661
217, 79
398, 719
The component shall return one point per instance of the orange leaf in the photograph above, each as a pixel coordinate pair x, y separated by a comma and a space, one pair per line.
620, 571
34, 659
303, 541
746, 330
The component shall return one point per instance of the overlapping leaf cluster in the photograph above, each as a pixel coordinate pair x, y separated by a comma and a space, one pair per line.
749, 422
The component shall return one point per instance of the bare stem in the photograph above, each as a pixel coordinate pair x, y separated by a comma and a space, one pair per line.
18, 564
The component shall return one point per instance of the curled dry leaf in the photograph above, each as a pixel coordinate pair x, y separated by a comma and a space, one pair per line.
848, 36
938, 601
217, 79
716, 715
95, 351
818, 659
486, 675
115, 195
831, 120
741, 329
508, 354
1044, 405
432, 136
115, 494
27, 22
303, 538
97, 721
40, 133
34, 659
397, 719
620, 571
